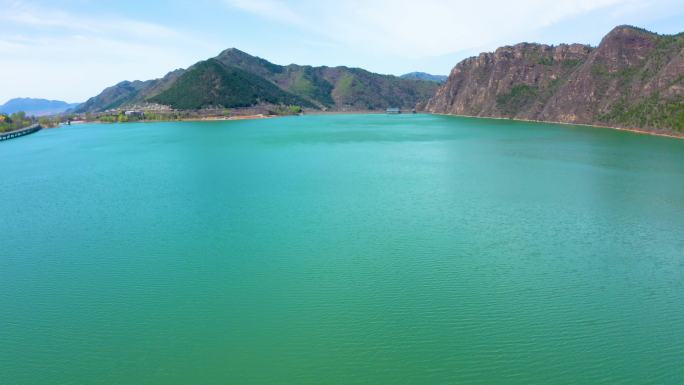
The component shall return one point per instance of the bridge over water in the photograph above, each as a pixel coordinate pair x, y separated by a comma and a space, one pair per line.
20, 132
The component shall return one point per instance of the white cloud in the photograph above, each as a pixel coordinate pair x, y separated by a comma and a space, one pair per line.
64, 52
271, 9
28, 15
427, 28
75, 67
66, 55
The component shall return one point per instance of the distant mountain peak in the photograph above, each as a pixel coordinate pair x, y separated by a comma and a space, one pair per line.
257, 81
233, 51
625, 28
36, 106
425, 76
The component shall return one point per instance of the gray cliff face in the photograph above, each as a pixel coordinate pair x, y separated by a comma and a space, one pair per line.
510, 82
634, 78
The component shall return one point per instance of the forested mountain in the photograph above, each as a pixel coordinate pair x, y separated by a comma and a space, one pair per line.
237, 79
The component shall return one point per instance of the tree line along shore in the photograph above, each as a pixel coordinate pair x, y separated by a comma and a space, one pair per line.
20, 120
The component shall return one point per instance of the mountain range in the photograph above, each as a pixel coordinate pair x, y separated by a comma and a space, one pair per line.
633, 79
237, 79
36, 107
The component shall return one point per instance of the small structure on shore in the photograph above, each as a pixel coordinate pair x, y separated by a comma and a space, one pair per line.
134, 114
394, 110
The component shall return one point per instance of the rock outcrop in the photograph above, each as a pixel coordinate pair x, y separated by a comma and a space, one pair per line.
634, 79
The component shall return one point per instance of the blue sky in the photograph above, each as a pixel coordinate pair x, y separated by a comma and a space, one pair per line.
72, 49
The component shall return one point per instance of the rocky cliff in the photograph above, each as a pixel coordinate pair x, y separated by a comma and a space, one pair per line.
634, 78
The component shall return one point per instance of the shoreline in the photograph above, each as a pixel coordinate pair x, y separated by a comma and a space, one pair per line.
640, 131
197, 119
359, 112
217, 118
220, 118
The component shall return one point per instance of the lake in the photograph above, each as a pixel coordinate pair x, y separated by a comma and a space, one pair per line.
341, 249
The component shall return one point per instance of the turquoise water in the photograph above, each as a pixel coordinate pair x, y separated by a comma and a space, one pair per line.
375, 249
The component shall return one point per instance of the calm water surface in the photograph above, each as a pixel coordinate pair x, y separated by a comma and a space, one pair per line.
341, 250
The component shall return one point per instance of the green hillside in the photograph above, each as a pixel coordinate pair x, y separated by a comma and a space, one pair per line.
336, 87
212, 84
237, 79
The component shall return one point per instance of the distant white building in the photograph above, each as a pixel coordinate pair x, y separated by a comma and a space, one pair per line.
134, 114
